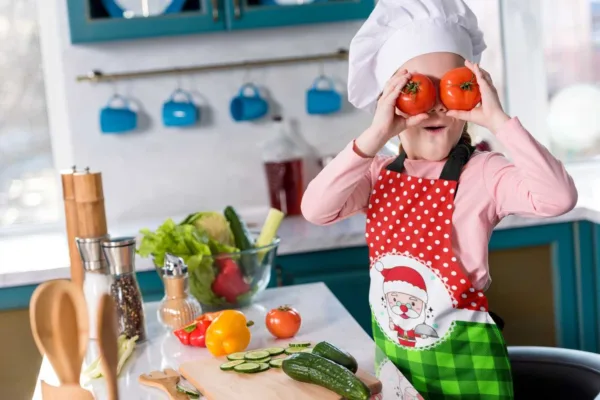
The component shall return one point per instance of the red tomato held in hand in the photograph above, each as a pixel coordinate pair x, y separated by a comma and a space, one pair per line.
459, 89
283, 322
418, 96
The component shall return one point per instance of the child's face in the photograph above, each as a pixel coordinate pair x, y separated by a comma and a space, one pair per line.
422, 141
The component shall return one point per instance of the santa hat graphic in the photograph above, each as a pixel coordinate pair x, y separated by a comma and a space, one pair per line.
403, 280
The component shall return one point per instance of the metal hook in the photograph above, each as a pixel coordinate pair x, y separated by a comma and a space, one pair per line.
179, 80
246, 78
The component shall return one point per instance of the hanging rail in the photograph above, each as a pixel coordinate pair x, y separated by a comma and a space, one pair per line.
98, 76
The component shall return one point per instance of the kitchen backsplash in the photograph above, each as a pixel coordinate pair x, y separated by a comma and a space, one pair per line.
158, 171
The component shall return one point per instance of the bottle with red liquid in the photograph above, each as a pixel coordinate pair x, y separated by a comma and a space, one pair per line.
283, 163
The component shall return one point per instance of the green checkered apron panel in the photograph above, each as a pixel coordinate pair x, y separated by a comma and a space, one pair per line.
472, 363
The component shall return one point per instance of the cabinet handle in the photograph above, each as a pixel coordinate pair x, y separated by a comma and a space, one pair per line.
215, 10
236, 9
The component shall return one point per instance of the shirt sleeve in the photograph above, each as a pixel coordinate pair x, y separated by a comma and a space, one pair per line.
340, 190
535, 184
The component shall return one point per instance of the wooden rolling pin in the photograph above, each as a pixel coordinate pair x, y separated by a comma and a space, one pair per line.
89, 201
68, 188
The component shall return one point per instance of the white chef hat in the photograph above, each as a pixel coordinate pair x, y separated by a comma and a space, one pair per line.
399, 30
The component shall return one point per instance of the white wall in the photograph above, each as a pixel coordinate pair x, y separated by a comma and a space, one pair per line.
160, 172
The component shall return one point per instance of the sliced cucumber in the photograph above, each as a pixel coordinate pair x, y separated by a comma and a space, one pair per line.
188, 389
262, 360
236, 356
307, 350
276, 363
230, 364
256, 355
263, 367
275, 351
247, 368
300, 344
294, 350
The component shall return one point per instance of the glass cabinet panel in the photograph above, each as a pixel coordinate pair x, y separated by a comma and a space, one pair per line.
100, 9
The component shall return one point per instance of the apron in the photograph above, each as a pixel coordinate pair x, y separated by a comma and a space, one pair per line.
428, 320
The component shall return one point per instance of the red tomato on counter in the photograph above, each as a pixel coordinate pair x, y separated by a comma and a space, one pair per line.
418, 95
459, 89
283, 322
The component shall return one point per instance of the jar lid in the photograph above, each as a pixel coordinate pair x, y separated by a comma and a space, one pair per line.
174, 266
90, 251
120, 255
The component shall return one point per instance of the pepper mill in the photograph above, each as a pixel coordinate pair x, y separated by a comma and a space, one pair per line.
68, 188
177, 308
89, 200
96, 281
124, 288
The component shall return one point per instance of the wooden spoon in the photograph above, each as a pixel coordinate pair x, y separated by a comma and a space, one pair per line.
70, 320
166, 381
71, 392
107, 343
41, 308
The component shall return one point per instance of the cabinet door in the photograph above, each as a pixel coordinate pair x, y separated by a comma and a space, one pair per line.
247, 14
351, 289
104, 20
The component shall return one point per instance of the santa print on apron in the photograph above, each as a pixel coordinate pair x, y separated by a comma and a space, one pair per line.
428, 320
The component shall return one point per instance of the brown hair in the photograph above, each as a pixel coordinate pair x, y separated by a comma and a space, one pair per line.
465, 138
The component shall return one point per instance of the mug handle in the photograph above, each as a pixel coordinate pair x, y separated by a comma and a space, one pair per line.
187, 95
252, 86
326, 79
116, 97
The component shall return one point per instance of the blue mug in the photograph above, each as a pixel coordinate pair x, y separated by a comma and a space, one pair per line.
323, 100
117, 119
179, 113
247, 107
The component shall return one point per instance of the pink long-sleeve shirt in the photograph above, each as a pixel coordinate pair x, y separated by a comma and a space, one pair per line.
534, 184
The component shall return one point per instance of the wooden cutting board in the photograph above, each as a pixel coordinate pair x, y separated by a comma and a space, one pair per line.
273, 384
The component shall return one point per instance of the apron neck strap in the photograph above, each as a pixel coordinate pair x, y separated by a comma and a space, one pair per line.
457, 159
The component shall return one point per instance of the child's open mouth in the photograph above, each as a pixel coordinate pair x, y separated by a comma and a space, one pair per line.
435, 128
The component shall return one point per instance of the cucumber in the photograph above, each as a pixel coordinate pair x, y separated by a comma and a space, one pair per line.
310, 368
338, 356
187, 389
300, 344
307, 350
247, 368
231, 364
256, 355
276, 363
294, 350
275, 351
241, 234
243, 240
236, 356
262, 360
263, 367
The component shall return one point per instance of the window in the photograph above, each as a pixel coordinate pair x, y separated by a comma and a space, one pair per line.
29, 189
552, 53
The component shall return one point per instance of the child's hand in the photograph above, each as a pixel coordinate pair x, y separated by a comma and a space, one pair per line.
388, 120
490, 114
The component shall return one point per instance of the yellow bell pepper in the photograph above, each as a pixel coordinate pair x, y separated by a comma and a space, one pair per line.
228, 333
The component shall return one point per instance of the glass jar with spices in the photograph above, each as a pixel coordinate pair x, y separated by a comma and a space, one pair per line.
124, 288
177, 308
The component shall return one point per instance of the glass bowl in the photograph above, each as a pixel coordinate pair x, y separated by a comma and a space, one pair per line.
231, 280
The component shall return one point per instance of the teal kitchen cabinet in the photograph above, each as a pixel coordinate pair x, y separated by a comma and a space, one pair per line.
344, 271
106, 20
249, 14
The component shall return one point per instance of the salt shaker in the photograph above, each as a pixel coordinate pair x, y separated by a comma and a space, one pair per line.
124, 288
96, 281
177, 308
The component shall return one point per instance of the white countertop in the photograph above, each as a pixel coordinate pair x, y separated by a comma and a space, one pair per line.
323, 318
34, 258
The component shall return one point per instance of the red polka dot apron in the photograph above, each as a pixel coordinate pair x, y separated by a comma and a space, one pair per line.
429, 323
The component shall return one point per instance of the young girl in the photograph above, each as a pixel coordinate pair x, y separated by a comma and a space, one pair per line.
431, 210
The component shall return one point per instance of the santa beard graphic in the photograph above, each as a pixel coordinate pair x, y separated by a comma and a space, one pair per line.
406, 320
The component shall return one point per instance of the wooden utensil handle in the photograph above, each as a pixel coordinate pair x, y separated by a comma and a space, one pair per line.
71, 392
